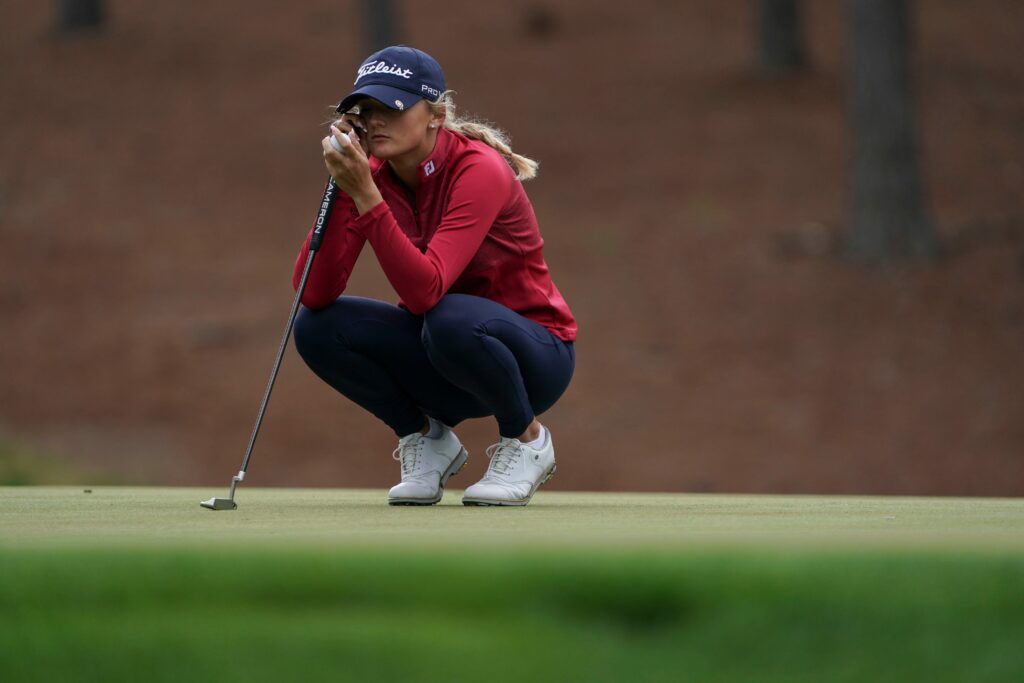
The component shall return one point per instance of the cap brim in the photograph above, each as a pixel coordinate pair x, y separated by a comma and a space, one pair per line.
392, 98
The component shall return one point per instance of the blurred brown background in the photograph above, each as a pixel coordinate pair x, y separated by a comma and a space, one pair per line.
158, 174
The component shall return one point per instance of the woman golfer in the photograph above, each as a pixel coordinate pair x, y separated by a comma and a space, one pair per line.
480, 328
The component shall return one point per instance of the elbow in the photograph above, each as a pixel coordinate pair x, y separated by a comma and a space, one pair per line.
316, 301
420, 304
318, 294
418, 307
424, 297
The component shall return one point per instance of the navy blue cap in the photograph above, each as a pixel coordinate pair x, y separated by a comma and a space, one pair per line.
398, 77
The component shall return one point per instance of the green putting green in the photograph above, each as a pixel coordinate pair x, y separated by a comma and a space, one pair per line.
604, 521
142, 582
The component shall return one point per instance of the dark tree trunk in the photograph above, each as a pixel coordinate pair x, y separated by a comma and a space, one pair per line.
780, 35
73, 15
888, 221
381, 24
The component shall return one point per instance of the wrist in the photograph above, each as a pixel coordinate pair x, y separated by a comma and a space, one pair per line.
367, 199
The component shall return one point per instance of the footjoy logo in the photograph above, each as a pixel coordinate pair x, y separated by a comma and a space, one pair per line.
429, 168
382, 68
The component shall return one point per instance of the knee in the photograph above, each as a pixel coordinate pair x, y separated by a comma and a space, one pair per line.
314, 332
449, 327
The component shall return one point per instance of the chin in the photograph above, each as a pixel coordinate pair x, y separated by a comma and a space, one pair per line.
381, 151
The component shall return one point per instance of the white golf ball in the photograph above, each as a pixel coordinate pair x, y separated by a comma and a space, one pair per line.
335, 143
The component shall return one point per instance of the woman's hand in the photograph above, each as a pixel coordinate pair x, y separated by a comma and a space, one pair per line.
350, 166
350, 122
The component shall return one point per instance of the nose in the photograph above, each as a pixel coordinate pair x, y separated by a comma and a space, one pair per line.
375, 118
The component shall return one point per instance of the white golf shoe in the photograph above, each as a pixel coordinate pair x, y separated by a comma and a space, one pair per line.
515, 472
426, 466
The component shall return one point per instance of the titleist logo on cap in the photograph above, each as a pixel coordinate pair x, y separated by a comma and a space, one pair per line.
382, 67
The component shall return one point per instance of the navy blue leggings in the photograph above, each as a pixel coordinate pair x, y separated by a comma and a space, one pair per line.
466, 357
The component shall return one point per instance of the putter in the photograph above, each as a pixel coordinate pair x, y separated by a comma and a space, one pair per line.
330, 193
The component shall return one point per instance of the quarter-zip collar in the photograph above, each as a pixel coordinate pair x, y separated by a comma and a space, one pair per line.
427, 171
431, 167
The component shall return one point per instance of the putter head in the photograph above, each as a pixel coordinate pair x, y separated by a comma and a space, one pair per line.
219, 504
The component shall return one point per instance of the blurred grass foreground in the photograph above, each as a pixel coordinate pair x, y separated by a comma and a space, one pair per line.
111, 584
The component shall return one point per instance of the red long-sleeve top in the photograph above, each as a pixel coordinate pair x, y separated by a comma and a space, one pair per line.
468, 228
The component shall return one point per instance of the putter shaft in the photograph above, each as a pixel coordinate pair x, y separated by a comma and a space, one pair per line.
319, 228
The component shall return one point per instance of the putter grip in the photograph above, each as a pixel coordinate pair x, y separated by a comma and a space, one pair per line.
324, 215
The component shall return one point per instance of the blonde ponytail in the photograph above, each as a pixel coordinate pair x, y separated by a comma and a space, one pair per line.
476, 129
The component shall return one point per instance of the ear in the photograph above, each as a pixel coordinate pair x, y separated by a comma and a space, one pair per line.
437, 120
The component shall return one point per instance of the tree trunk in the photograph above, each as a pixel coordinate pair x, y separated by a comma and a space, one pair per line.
888, 220
73, 15
780, 35
381, 18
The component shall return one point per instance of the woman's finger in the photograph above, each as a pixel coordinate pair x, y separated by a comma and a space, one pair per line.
336, 139
343, 138
353, 122
328, 146
356, 143
348, 123
358, 126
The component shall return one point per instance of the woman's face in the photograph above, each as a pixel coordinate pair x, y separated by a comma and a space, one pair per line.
393, 135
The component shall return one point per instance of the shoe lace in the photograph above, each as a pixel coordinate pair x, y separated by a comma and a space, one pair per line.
408, 454
503, 455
